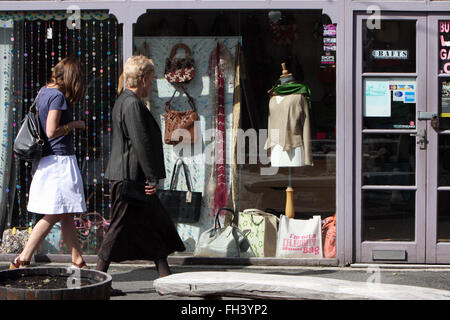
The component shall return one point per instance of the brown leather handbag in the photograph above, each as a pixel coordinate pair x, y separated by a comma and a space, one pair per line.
180, 125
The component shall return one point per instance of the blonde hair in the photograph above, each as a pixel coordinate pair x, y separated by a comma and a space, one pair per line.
136, 68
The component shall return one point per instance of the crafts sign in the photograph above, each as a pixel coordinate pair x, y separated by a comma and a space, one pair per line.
444, 47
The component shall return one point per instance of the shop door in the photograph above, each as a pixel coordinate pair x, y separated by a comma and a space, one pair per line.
391, 149
403, 139
438, 150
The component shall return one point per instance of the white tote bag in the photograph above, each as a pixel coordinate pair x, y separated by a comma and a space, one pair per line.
299, 238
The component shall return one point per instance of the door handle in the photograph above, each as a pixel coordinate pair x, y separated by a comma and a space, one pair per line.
422, 115
422, 135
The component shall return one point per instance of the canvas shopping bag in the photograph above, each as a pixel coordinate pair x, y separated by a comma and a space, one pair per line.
263, 228
299, 238
329, 236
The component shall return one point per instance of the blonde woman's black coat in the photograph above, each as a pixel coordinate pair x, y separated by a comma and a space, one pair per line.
136, 140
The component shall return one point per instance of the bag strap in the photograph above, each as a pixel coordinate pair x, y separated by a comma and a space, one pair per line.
34, 104
180, 45
216, 221
190, 99
34, 108
186, 175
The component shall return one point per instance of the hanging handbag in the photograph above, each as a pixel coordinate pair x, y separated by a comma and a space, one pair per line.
29, 141
223, 242
131, 191
180, 125
182, 206
179, 70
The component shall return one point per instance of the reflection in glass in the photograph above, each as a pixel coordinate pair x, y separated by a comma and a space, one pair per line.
391, 48
388, 159
443, 228
444, 160
388, 215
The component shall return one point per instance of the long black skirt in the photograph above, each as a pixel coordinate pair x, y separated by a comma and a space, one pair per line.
138, 233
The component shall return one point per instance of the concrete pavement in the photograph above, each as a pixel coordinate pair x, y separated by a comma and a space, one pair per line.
136, 280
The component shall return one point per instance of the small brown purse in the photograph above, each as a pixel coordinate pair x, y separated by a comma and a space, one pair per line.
179, 70
180, 125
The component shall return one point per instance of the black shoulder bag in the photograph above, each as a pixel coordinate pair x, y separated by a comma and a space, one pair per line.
29, 141
182, 206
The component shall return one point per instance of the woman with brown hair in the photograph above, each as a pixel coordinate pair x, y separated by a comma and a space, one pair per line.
56, 190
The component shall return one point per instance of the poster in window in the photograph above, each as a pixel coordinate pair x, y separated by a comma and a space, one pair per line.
445, 99
444, 47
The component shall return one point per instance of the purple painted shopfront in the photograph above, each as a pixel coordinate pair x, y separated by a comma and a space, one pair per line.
380, 99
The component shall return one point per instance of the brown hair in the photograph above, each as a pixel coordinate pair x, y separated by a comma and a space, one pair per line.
68, 76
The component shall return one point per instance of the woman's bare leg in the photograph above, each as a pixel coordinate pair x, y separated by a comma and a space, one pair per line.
70, 238
40, 231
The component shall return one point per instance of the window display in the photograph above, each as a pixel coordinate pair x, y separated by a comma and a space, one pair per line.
213, 71
248, 76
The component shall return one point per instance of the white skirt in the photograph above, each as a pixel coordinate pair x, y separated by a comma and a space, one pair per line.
57, 187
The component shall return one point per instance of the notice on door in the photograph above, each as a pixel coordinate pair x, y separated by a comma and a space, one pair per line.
382, 94
444, 47
377, 98
403, 91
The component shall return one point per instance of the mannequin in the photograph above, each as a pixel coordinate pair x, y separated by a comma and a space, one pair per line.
289, 114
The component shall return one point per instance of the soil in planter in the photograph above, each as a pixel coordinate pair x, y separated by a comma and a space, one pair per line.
41, 282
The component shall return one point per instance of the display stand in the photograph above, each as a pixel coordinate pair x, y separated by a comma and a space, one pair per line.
289, 210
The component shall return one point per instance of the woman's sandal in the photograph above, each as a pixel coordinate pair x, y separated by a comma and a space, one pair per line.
17, 263
82, 265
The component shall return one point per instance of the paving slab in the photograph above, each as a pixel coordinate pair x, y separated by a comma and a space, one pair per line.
274, 286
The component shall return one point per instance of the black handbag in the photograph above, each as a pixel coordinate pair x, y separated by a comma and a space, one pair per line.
131, 191
182, 206
29, 141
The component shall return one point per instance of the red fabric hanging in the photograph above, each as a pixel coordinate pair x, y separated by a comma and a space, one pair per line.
221, 194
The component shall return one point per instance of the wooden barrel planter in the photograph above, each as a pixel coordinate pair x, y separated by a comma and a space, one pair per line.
54, 284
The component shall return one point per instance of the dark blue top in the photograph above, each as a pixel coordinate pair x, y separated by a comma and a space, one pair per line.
53, 99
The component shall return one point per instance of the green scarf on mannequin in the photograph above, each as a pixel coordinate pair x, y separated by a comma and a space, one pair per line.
293, 88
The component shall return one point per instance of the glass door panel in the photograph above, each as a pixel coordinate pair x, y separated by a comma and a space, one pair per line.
388, 159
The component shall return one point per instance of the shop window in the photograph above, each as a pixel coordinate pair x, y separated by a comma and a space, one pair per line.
256, 43
38, 40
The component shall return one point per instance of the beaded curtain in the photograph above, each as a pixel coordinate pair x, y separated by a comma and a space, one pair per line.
39, 44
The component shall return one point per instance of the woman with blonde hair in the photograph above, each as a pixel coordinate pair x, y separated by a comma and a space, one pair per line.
56, 190
136, 232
